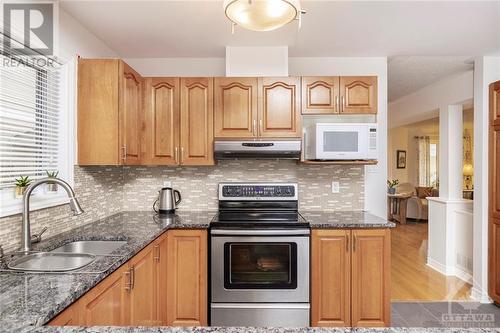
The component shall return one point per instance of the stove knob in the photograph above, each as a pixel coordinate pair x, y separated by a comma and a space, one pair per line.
288, 191
277, 191
237, 192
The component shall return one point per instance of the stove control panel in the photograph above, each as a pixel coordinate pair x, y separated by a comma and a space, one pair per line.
257, 191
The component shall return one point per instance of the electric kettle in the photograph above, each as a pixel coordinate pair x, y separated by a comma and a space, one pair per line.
167, 201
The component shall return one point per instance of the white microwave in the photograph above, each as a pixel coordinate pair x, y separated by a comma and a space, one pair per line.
341, 141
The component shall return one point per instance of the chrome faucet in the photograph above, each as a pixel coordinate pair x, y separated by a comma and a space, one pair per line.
73, 204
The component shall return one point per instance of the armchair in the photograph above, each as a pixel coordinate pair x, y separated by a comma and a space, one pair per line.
417, 208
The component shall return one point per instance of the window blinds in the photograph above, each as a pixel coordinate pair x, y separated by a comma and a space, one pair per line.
29, 117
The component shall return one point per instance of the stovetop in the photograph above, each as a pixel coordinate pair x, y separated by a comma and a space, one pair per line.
259, 219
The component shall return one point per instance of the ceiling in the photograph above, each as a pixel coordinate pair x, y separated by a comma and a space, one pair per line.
410, 74
157, 29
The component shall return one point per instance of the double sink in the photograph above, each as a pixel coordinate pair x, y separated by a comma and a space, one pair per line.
68, 257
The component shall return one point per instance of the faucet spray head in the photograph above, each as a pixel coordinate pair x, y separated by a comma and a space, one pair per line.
75, 206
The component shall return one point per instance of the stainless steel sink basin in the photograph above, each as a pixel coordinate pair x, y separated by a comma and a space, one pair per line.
99, 248
51, 262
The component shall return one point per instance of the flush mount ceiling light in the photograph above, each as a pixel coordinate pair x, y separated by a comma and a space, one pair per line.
262, 15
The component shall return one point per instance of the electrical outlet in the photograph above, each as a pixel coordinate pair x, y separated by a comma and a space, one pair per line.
335, 187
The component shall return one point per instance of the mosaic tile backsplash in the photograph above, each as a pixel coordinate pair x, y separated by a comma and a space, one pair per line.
104, 191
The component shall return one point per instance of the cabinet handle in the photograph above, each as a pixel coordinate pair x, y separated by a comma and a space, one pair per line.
176, 155
343, 103
132, 277
128, 284
260, 126
182, 155
354, 244
157, 253
337, 103
124, 153
254, 129
347, 243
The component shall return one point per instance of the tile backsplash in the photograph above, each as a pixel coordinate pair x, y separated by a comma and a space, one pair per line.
103, 191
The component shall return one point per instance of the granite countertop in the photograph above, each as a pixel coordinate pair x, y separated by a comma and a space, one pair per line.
256, 330
347, 219
29, 300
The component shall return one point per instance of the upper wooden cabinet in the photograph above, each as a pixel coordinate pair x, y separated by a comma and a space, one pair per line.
320, 95
339, 95
196, 121
358, 94
371, 276
109, 112
279, 107
161, 121
235, 107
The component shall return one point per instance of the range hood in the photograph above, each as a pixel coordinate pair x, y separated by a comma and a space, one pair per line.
238, 149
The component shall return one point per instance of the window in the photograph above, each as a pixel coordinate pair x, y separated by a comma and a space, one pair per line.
34, 128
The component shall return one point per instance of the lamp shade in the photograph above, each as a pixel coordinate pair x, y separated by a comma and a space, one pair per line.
468, 170
262, 15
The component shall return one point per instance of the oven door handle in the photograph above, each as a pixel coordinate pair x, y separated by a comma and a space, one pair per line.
260, 232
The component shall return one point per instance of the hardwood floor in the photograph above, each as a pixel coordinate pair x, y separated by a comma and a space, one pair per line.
412, 279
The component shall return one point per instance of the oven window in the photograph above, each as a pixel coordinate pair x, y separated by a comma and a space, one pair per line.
340, 141
260, 265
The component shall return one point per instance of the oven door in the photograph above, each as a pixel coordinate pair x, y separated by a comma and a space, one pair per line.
260, 265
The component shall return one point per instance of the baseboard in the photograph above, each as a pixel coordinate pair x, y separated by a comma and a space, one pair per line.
480, 296
463, 275
437, 266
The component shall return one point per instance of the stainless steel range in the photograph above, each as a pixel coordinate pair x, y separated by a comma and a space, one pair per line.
259, 257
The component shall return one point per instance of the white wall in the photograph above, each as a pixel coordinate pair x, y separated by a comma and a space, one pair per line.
256, 61
375, 176
486, 71
425, 103
75, 39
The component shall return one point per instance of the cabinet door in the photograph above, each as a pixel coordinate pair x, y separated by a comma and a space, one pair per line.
161, 122
143, 288
161, 252
197, 121
494, 193
330, 278
320, 95
187, 278
107, 303
130, 110
235, 107
371, 301
69, 317
358, 94
98, 115
279, 107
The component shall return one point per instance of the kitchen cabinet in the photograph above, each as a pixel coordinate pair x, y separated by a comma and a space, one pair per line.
187, 278
339, 95
178, 123
235, 107
330, 278
320, 95
109, 112
350, 278
164, 284
197, 121
107, 303
142, 294
358, 94
279, 107
161, 121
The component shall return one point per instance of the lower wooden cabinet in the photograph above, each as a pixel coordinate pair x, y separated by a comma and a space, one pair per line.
187, 278
350, 277
164, 284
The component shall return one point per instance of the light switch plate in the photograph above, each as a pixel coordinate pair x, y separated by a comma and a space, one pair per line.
335, 187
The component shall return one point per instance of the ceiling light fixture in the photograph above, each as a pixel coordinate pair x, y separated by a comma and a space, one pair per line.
262, 15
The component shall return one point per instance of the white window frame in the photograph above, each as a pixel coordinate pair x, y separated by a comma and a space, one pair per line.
9, 205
